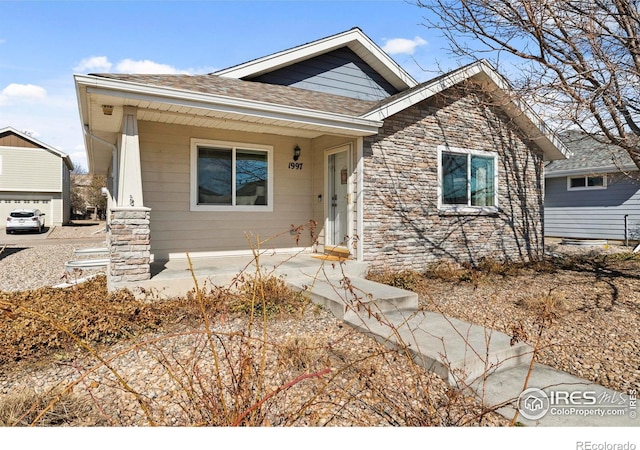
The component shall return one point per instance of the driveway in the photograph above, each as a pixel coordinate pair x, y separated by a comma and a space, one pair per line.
77, 232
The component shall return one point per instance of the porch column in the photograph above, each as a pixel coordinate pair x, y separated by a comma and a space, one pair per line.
360, 198
129, 171
129, 245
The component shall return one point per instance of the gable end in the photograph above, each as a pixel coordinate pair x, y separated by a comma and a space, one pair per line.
340, 72
10, 139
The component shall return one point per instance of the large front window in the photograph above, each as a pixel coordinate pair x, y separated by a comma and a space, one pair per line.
467, 178
228, 176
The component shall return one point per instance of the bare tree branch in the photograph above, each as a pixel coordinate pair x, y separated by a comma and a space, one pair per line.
577, 60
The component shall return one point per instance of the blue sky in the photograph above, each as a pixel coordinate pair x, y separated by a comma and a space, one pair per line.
42, 44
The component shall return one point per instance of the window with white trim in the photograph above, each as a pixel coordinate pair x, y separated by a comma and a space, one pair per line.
584, 182
467, 178
229, 176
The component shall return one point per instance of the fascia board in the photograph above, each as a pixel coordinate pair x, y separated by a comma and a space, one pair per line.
83, 110
425, 92
588, 171
396, 75
551, 145
138, 91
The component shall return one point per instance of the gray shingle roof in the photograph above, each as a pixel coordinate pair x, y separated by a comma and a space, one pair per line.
251, 90
589, 155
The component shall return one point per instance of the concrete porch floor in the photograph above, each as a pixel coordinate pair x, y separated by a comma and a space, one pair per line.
174, 277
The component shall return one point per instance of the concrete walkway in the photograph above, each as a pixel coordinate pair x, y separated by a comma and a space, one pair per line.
470, 357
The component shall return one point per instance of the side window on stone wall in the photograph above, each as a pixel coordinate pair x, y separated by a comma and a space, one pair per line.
467, 178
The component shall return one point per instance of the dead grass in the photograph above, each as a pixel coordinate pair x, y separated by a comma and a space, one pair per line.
50, 409
36, 324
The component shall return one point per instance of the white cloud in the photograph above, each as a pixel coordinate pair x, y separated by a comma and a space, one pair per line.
2, 41
146, 66
403, 46
79, 157
21, 93
94, 64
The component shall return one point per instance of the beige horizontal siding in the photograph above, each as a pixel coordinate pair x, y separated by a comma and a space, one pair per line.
165, 161
30, 169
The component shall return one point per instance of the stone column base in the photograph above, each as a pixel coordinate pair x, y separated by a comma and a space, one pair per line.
129, 244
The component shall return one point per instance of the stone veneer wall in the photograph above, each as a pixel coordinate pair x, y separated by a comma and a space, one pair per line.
404, 228
129, 244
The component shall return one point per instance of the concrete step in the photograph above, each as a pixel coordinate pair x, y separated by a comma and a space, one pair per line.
457, 351
86, 264
360, 294
91, 251
314, 267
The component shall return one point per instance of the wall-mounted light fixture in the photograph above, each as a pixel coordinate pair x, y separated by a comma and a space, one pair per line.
107, 110
296, 153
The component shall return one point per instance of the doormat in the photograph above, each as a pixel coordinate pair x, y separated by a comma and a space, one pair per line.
329, 257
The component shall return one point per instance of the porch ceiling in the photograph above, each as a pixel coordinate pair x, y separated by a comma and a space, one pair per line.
154, 111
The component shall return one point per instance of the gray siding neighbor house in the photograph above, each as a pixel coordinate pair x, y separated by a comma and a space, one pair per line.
395, 173
592, 194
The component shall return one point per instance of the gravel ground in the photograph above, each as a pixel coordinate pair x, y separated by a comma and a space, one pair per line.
596, 334
79, 229
596, 337
362, 383
30, 264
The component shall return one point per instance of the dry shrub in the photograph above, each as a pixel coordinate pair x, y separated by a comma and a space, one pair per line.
546, 309
404, 279
449, 271
22, 408
265, 294
302, 353
40, 320
623, 256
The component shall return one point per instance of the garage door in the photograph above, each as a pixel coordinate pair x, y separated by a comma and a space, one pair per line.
9, 202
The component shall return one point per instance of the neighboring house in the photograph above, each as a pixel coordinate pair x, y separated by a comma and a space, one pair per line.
33, 175
594, 193
398, 173
85, 193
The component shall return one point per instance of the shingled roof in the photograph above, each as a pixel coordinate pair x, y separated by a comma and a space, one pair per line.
590, 155
252, 90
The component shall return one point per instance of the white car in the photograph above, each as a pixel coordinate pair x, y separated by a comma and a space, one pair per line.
25, 220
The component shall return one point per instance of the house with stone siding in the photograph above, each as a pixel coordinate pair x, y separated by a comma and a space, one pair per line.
332, 135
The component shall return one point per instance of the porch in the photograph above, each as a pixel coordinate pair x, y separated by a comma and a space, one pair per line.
332, 282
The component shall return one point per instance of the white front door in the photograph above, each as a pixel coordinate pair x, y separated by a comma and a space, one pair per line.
338, 163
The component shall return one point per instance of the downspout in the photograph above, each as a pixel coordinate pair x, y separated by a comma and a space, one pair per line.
114, 153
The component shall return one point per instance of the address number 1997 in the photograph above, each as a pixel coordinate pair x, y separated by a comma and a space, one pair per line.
295, 165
